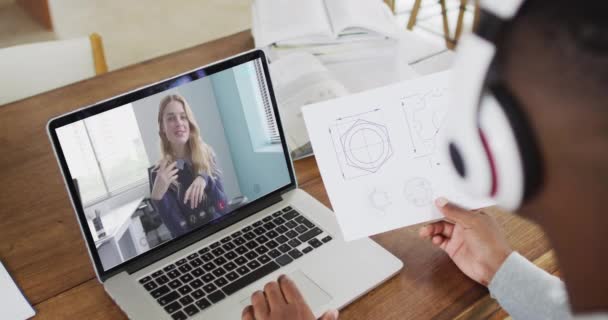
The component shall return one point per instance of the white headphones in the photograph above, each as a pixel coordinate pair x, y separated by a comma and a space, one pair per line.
486, 137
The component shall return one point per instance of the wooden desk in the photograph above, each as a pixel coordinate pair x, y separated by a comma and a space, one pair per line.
41, 244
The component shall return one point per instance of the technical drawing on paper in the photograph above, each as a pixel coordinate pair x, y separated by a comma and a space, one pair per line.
361, 143
380, 200
424, 113
418, 191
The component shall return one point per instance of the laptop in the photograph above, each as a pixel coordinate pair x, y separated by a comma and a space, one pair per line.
188, 202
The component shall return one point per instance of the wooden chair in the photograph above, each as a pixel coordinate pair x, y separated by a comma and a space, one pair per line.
449, 41
35, 68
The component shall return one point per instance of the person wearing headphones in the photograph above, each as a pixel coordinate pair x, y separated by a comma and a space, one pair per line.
529, 128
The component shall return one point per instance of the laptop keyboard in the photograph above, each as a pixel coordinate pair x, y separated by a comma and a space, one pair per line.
195, 282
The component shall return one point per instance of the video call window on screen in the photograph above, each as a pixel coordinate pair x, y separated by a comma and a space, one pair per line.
157, 168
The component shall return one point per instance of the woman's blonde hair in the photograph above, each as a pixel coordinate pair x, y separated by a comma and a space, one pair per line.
201, 154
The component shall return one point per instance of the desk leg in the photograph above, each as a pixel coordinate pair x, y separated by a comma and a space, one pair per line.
414, 15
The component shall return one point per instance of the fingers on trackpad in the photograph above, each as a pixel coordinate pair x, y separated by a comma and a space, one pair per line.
315, 296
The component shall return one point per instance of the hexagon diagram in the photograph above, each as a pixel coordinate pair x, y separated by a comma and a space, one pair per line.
366, 145
362, 144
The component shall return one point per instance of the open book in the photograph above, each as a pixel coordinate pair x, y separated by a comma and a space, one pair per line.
320, 21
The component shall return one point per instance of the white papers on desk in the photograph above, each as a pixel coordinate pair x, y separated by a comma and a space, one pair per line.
12, 302
376, 154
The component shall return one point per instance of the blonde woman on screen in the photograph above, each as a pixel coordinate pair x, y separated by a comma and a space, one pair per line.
187, 189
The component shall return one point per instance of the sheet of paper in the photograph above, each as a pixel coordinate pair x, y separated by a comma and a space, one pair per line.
12, 301
376, 152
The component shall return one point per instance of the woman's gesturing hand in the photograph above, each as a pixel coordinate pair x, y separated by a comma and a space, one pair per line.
166, 174
281, 300
196, 192
472, 239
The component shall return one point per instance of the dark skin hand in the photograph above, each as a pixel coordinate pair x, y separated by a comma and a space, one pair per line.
281, 300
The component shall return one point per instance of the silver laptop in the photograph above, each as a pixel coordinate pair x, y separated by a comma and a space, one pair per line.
188, 202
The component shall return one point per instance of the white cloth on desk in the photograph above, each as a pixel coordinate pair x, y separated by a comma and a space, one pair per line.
526, 291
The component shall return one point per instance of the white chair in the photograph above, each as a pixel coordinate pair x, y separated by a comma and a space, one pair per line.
27, 70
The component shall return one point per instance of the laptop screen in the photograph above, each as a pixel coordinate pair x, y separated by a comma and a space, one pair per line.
185, 155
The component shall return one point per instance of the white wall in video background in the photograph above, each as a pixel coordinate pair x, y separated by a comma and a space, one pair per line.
201, 99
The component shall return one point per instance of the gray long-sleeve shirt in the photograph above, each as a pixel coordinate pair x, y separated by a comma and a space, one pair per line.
526, 291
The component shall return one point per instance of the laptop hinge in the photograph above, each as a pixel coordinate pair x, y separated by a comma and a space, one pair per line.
165, 250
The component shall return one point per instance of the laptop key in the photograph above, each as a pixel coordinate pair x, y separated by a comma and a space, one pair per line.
219, 272
191, 310
185, 289
253, 264
197, 262
249, 235
240, 260
326, 239
239, 241
220, 261
251, 255
294, 242
218, 252
267, 218
207, 278
269, 226
209, 287
272, 244
261, 239
288, 208
169, 267
230, 255
181, 262
207, 257
305, 222
295, 254
162, 279
192, 256
215, 245
216, 296
274, 253
225, 239
284, 260
168, 298
251, 244
251, 277
160, 291
186, 300
315, 243
230, 266
185, 268
175, 284
259, 231
198, 272
276, 214
281, 239
264, 259
150, 285
197, 294
241, 250
232, 276
301, 229
203, 250
291, 224
242, 270
179, 316
197, 283
236, 234
257, 224
307, 249
278, 221
220, 282
310, 234
228, 246
186, 278
172, 307
246, 229
203, 304
173, 274
261, 249
291, 234
209, 266
290, 215
272, 234
281, 229
157, 273
284, 248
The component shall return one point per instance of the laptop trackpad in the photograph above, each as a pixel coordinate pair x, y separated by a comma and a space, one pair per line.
314, 295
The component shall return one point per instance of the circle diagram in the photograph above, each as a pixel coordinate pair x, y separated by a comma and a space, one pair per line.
418, 191
366, 145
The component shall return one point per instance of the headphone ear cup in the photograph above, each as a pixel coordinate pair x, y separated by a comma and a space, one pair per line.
527, 146
507, 138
